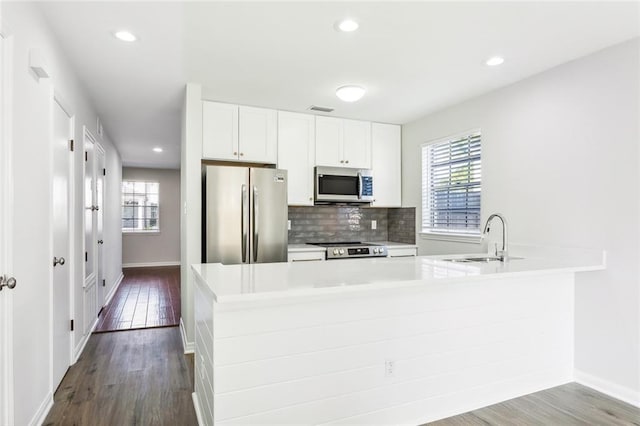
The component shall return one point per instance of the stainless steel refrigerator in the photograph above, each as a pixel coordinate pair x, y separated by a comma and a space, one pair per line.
244, 215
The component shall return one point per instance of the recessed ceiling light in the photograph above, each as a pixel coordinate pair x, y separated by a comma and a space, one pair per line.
495, 60
346, 25
124, 36
157, 149
350, 93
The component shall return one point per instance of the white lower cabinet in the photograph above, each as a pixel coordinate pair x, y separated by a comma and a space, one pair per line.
296, 154
401, 251
386, 165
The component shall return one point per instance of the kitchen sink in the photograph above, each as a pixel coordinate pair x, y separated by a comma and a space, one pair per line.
478, 259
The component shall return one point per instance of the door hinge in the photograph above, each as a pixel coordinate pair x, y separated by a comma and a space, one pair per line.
86, 256
86, 156
71, 325
104, 172
71, 145
104, 283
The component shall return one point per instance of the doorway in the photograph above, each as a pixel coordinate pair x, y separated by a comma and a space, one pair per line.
62, 140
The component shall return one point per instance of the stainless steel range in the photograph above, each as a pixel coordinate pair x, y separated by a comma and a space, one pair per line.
345, 250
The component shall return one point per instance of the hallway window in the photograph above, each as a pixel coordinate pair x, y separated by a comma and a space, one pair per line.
140, 206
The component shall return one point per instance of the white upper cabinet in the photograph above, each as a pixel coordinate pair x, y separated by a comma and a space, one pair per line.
343, 143
258, 140
386, 165
230, 132
357, 144
296, 154
329, 134
219, 131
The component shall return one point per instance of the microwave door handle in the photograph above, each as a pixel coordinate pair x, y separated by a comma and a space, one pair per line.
359, 186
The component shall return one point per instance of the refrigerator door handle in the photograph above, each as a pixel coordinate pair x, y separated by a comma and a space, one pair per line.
243, 222
256, 220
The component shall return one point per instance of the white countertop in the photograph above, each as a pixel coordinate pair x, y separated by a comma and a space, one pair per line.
240, 283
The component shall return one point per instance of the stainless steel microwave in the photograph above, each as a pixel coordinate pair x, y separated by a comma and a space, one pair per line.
343, 185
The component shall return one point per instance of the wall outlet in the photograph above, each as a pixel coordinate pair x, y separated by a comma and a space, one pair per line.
289, 225
389, 368
374, 224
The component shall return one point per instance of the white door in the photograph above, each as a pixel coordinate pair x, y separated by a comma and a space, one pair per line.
89, 296
61, 284
99, 237
6, 296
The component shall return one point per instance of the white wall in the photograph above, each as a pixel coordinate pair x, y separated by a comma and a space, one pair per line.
164, 246
32, 103
561, 161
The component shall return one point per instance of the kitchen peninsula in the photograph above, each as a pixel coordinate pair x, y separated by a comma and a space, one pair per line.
381, 340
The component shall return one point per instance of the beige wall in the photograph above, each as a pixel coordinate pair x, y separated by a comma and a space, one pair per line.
560, 159
162, 247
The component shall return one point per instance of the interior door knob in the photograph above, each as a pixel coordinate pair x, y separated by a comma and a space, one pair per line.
58, 261
7, 282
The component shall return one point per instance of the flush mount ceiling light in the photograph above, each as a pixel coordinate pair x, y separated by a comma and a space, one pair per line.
346, 25
350, 93
125, 36
494, 61
157, 149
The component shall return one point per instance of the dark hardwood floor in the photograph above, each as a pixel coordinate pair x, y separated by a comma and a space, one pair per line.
147, 297
137, 377
571, 404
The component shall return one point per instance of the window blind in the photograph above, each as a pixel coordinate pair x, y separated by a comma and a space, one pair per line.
452, 185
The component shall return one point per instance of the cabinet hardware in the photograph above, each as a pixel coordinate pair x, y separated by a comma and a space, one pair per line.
58, 261
341, 161
347, 161
10, 283
100, 242
235, 153
71, 325
241, 154
71, 145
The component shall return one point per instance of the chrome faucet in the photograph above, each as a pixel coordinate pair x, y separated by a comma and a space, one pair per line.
504, 253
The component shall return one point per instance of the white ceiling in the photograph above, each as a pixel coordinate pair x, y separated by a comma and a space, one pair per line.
414, 58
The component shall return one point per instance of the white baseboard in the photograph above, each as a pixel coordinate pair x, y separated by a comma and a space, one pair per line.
614, 390
80, 347
196, 405
189, 347
43, 411
150, 264
114, 288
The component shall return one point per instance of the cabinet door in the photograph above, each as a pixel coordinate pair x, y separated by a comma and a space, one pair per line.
329, 135
386, 162
258, 135
219, 131
296, 154
357, 144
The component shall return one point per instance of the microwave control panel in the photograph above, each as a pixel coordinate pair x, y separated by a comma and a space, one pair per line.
367, 186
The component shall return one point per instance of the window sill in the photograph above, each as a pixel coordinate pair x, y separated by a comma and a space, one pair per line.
452, 237
140, 232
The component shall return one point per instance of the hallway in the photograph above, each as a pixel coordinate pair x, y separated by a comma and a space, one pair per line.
137, 377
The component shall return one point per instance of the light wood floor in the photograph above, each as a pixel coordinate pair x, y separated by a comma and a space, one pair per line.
142, 377
571, 404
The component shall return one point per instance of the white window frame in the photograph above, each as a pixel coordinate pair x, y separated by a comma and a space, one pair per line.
460, 236
140, 231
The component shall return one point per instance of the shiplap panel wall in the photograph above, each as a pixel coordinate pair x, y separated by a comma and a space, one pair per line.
455, 346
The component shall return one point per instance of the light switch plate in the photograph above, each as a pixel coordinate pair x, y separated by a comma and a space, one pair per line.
374, 224
289, 225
